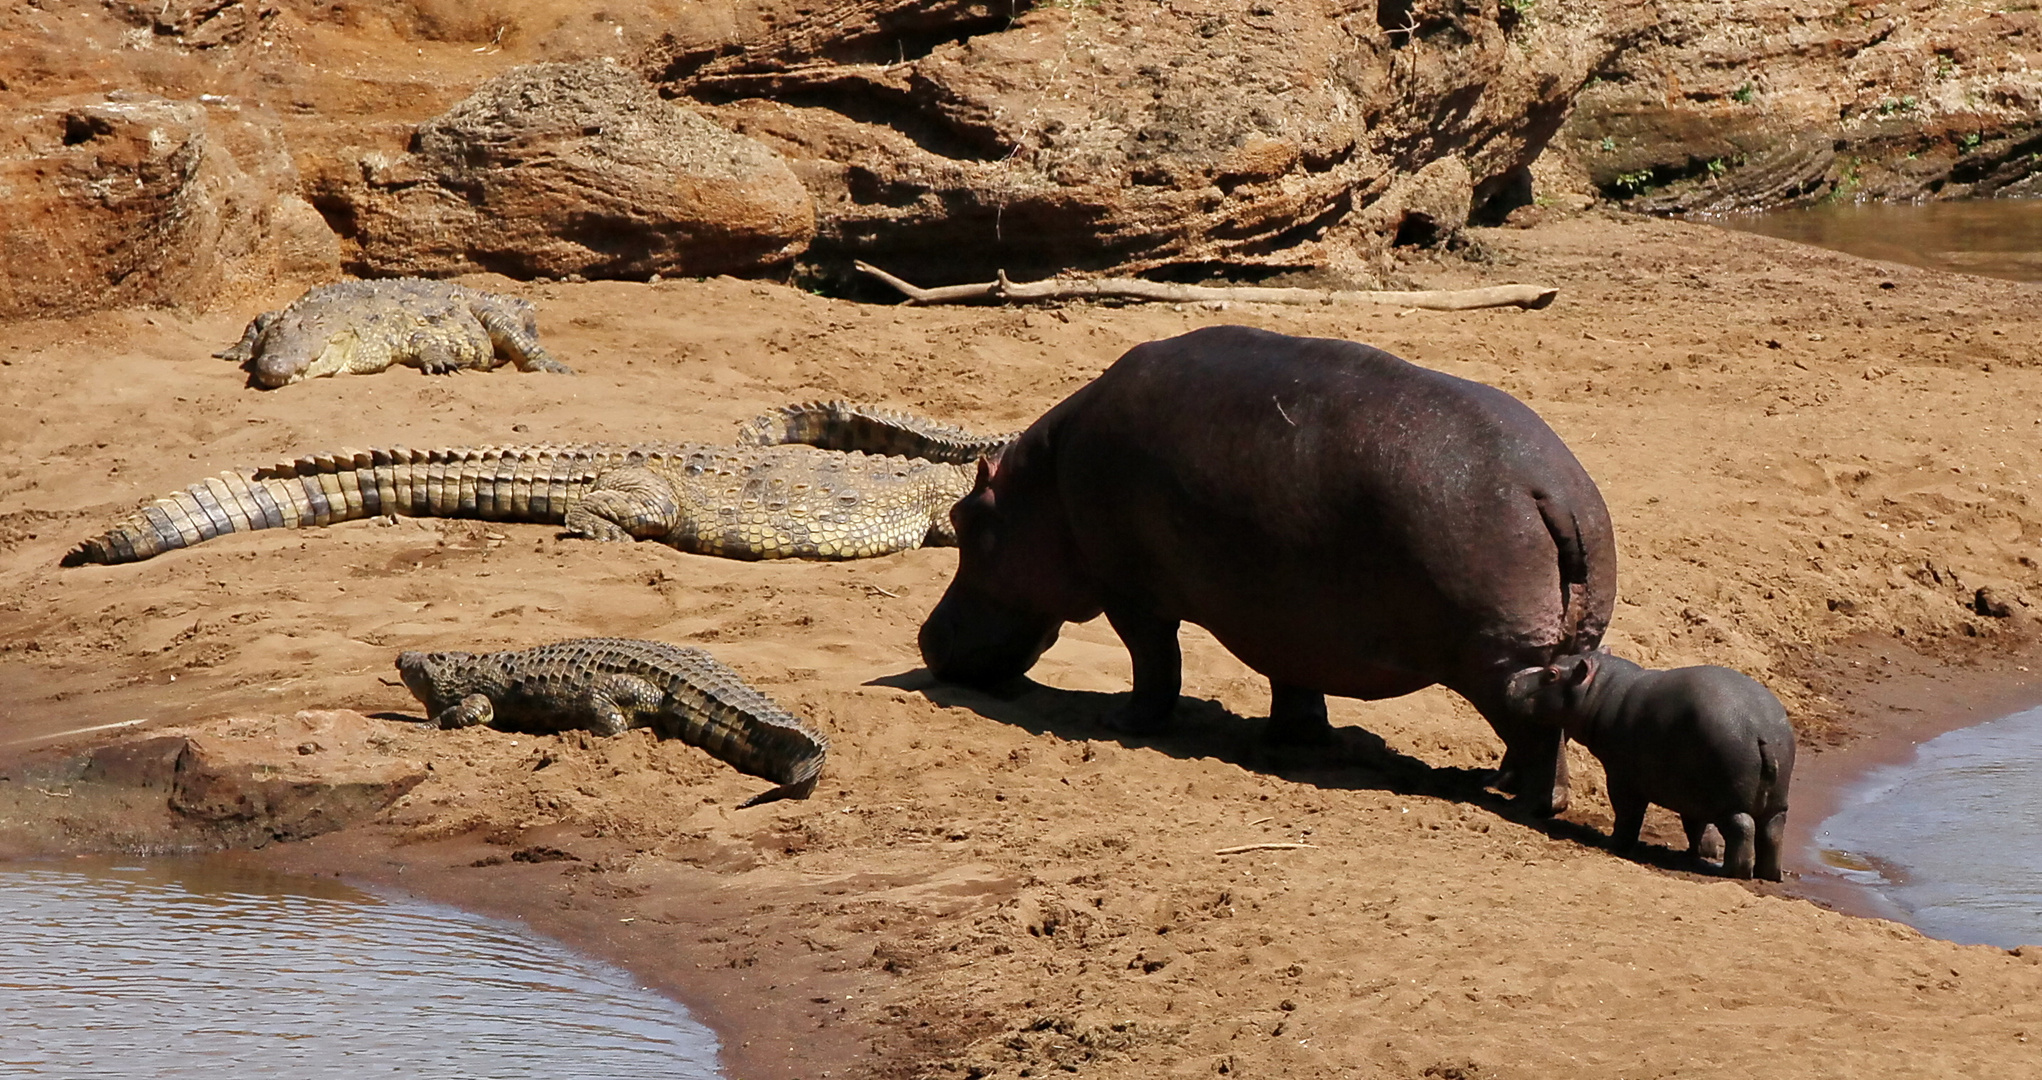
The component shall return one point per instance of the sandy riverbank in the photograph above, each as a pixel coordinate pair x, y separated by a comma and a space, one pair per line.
1800, 449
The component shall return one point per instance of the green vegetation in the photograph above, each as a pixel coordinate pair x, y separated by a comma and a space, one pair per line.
1970, 141
1609, 144
1897, 105
1631, 183
1743, 94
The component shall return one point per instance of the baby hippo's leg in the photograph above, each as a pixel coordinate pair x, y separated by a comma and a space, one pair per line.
1771, 836
1738, 835
1698, 845
1629, 804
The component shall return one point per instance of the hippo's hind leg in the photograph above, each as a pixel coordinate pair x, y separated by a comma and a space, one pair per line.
1629, 804
1772, 835
1151, 641
1739, 834
1297, 717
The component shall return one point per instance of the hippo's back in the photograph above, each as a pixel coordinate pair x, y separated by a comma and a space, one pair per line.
1336, 516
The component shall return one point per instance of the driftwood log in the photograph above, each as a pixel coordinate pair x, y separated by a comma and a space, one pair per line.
1531, 297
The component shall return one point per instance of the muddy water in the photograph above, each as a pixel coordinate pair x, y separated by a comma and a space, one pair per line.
1992, 238
199, 968
1945, 841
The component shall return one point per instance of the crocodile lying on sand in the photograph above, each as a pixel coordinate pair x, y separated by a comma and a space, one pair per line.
608, 685
773, 502
362, 327
844, 425
802, 487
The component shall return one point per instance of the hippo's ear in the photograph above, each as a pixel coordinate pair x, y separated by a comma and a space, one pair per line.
1584, 672
986, 468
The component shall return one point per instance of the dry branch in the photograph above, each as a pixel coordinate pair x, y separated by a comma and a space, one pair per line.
1524, 296
1261, 847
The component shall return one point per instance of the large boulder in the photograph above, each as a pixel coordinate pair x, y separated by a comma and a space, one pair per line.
551, 170
945, 141
122, 199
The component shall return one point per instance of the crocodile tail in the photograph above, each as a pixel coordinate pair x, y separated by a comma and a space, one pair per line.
516, 339
515, 484
724, 715
848, 426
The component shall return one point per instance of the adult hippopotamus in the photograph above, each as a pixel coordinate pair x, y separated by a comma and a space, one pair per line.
1343, 521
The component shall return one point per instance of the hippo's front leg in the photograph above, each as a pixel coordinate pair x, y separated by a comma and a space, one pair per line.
1628, 803
1151, 641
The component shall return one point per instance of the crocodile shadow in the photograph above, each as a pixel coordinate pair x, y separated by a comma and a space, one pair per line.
1356, 759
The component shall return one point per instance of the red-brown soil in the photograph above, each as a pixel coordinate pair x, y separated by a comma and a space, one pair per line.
1800, 450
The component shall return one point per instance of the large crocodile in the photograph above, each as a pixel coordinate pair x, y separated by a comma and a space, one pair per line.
608, 685
767, 502
362, 327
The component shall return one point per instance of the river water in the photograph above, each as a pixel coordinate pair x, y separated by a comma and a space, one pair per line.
170, 968
1946, 841
1991, 237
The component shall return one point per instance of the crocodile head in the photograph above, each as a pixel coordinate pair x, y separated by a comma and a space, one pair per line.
439, 680
289, 355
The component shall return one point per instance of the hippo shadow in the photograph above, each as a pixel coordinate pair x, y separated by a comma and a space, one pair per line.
1355, 759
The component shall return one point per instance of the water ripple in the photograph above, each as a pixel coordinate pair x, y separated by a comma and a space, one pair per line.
192, 968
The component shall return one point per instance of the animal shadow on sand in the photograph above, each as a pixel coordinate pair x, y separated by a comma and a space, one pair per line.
1355, 759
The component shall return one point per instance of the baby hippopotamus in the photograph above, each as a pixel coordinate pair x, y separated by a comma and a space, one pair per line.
1707, 743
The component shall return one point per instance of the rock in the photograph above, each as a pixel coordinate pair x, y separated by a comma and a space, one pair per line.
142, 763
122, 199
277, 782
1117, 137
552, 170
1818, 102
235, 782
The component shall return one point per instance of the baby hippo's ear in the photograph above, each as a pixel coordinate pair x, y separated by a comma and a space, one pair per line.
1584, 671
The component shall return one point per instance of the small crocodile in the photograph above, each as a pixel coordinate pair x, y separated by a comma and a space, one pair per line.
769, 502
362, 327
608, 685
844, 425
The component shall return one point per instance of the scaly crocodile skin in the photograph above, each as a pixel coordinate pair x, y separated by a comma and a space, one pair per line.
771, 502
844, 425
609, 685
362, 327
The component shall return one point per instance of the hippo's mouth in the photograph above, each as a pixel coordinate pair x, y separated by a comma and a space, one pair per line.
977, 642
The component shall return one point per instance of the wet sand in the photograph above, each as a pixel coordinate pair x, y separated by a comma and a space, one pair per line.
1800, 450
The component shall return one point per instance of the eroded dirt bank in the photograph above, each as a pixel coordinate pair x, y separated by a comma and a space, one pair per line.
1799, 448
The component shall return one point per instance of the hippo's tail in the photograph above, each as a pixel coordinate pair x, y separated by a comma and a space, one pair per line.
1768, 763
1565, 530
